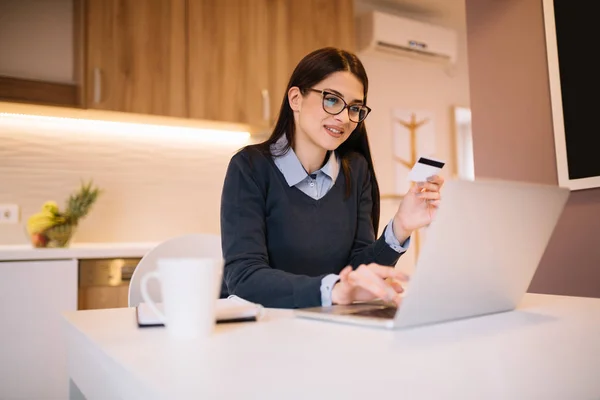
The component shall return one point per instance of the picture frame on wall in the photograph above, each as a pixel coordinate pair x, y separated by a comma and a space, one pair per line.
463, 143
574, 84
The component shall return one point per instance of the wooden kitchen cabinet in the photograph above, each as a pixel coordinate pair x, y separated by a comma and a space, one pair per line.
228, 59
134, 56
304, 26
223, 60
241, 53
99, 297
301, 27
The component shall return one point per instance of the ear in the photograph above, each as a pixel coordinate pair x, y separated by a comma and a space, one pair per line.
295, 98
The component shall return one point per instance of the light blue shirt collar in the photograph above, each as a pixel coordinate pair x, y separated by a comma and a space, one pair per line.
292, 169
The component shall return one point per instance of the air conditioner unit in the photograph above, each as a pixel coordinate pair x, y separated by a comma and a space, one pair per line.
404, 37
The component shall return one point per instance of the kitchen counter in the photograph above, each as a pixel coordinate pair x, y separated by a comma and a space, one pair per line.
76, 250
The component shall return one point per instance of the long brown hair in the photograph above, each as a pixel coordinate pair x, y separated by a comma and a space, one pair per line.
312, 69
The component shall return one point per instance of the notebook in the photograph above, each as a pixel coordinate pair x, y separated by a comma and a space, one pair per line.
231, 309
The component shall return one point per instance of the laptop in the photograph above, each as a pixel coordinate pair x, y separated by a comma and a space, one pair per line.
478, 257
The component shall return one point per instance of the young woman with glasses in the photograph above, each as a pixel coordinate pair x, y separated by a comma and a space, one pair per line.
300, 211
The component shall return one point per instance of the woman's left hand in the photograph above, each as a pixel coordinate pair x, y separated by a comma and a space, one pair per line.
418, 207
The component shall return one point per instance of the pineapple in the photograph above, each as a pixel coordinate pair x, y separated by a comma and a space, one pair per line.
78, 206
80, 203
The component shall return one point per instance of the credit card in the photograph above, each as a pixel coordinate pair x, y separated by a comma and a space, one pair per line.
424, 168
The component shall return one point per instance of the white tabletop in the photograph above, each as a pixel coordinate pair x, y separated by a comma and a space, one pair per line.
548, 349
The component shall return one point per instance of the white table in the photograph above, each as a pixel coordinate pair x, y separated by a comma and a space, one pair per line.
548, 349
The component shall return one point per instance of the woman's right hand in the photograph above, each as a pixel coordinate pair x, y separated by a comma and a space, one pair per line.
369, 282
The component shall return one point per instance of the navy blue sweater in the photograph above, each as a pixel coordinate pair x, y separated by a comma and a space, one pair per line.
279, 243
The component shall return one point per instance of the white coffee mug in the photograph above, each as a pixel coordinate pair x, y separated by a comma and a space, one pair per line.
190, 288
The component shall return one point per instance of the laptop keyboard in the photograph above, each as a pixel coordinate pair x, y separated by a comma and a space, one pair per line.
387, 313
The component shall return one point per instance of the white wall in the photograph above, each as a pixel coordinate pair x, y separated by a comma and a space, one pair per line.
155, 186
412, 84
36, 39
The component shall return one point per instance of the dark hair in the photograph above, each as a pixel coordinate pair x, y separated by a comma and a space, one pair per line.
312, 69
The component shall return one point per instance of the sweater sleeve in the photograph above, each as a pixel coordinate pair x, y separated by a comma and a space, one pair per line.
366, 249
247, 272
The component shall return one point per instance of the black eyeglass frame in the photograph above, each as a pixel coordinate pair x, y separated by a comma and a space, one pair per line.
346, 105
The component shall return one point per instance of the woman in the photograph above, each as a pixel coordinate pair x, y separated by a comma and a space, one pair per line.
300, 211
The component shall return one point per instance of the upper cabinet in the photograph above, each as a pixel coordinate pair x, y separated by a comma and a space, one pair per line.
135, 56
228, 60
223, 60
299, 27
307, 25
241, 53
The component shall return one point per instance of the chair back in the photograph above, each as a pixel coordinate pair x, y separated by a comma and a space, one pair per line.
191, 245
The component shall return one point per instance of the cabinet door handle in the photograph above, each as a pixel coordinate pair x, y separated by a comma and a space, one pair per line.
97, 86
266, 105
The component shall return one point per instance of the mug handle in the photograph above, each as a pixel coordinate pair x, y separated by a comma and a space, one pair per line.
144, 287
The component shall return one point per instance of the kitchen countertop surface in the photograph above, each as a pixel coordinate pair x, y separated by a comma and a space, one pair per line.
75, 250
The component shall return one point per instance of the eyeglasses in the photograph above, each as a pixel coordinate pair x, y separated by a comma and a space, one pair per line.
334, 105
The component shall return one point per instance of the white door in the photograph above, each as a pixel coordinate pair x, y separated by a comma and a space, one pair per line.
33, 294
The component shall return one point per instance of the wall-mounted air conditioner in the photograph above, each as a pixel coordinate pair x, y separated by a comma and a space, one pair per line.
404, 37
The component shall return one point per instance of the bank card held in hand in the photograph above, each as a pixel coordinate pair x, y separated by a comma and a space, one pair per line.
424, 168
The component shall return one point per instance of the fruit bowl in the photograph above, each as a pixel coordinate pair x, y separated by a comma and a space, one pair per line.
57, 236
60, 235
54, 228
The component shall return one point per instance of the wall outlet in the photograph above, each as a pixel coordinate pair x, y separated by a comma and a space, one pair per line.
9, 213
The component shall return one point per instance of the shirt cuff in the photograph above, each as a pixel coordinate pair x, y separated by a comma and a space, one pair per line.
393, 241
327, 284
